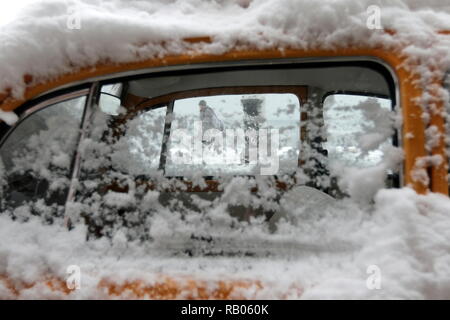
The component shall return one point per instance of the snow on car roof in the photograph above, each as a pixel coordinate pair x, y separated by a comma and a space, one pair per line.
52, 37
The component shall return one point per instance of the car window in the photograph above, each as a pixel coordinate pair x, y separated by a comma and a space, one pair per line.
234, 135
110, 99
181, 151
37, 155
122, 144
138, 151
357, 129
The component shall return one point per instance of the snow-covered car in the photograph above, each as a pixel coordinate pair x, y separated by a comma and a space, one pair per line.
110, 140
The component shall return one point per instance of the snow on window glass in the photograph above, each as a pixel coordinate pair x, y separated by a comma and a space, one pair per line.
38, 153
265, 164
235, 134
122, 185
359, 133
191, 171
357, 129
138, 151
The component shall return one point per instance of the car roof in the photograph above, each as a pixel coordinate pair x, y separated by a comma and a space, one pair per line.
111, 69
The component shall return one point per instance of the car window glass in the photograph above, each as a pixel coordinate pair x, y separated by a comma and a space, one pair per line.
139, 150
131, 146
37, 155
357, 129
235, 134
